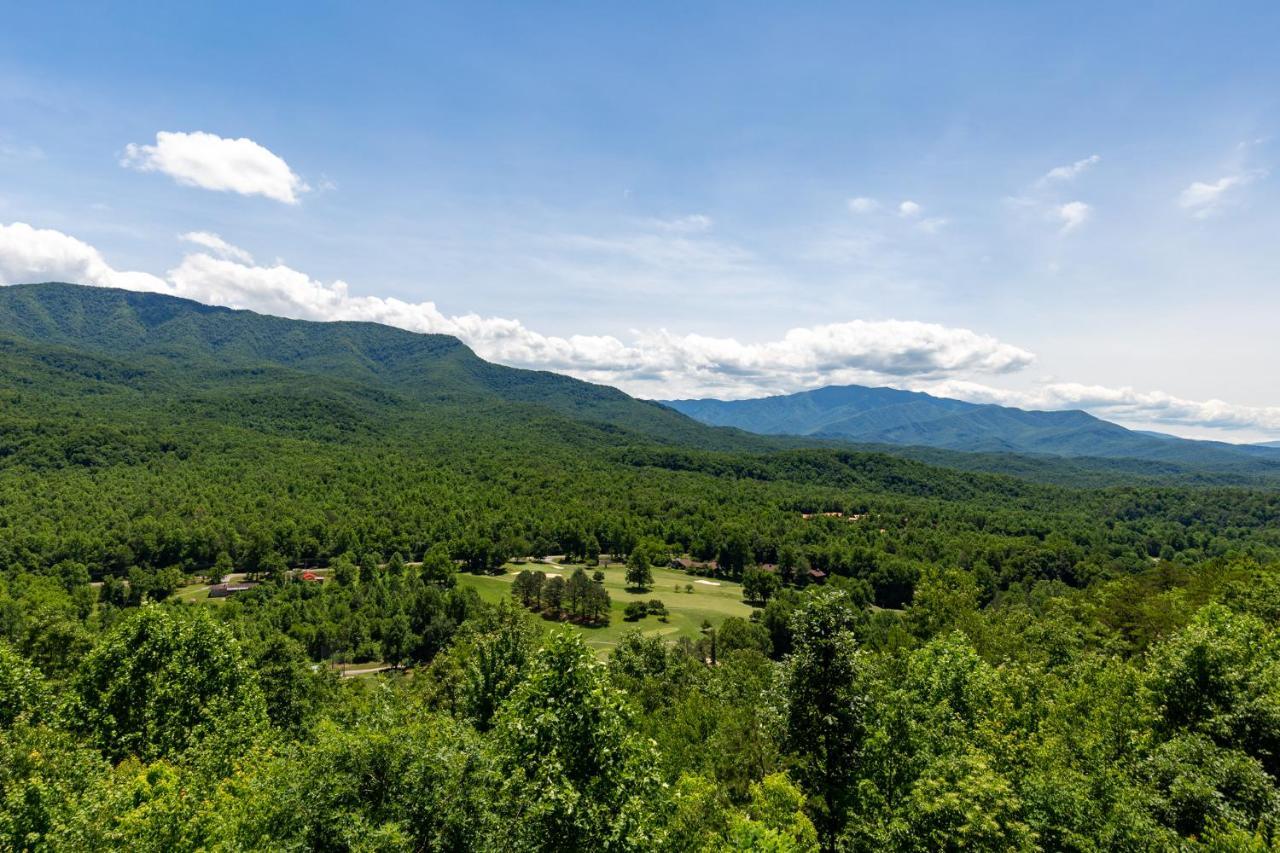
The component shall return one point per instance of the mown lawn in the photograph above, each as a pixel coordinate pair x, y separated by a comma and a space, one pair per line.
686, 611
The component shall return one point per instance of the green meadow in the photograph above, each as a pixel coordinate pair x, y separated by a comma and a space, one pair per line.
712, 600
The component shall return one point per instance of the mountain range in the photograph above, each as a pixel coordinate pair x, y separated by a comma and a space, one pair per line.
123, 373
912, 418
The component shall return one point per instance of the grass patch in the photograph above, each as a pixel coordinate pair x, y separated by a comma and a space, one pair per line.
686, 611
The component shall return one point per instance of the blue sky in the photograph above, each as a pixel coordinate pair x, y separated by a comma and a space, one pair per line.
1039, 204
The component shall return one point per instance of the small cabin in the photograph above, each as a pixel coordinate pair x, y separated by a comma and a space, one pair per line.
226, 590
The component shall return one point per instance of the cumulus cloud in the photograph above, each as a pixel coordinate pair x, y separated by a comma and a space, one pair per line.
1067, 172
1073, 214
43, 254
211, 162
216, 244
1205, 199
909, 208
923, 356
863, 204
657, 362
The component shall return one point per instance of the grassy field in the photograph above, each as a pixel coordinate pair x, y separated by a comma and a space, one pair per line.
711, 600
686, 610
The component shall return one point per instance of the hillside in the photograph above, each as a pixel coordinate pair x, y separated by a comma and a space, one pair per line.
158, 365
148, 334
910, 418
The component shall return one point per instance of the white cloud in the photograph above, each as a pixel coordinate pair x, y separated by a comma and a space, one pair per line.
1068, 172
1155, 408
208, 161
909, 209
30, 254
932, 225
691, 224
924, 356
863, 204
1205, 199
212, 241
657, 363
1073, 214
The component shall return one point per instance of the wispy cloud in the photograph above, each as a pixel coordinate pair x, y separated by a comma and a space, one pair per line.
211, 162
692, 224
1068, 172
1044, 196
217, 245
908, 209
1204, 199
863, 204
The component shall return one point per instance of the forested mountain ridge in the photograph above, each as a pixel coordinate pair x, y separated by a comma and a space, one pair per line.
220, 345
239, 365
892, 416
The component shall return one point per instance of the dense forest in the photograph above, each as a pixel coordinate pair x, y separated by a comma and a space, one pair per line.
940, 659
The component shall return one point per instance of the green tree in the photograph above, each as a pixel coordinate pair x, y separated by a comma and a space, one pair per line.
438, 567
345, 571
494, 655
759, 585
160, 678
395, 640
273, 567
775, 820
23, 693
823, 706
576, 591
222, 566
566, 734
553, 595
737, 633
292, 689
961, 803
639, 572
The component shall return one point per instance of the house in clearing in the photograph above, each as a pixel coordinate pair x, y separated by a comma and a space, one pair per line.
696, 566
226, 590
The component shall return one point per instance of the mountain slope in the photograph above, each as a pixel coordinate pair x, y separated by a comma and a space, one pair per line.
214, 345
887, 415
152, 365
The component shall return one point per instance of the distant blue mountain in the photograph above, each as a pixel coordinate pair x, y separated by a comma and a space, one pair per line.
889, 416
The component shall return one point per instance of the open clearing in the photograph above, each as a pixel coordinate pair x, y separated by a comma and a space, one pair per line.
711, 601
686, 610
